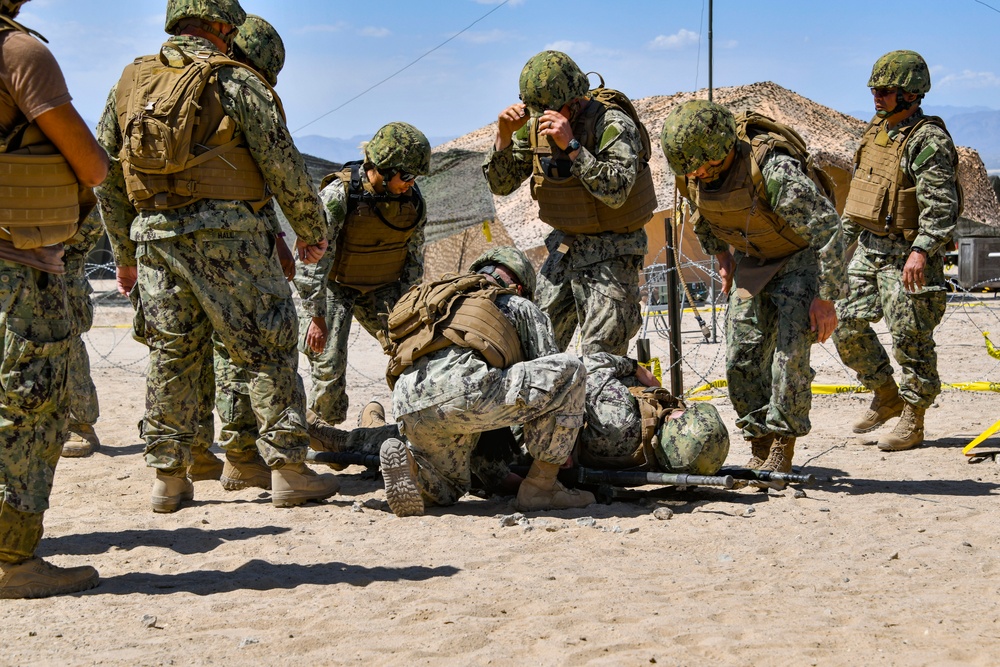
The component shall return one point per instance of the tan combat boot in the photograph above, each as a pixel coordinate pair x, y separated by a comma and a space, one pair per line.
372, 416
759, 450
296, 483
243, 469
170, 489
779, 459
206, 465
35, 578
399, 472
540, 490
885, 405
909, 431
81, 440
325, 438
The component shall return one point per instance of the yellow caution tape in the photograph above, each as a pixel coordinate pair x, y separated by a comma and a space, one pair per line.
829, 389
995, 353
653, 366
487, 232
982, 436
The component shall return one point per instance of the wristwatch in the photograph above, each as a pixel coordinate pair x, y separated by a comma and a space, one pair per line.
573, 145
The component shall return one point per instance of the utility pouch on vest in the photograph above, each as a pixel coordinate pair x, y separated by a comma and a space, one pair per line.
655, 406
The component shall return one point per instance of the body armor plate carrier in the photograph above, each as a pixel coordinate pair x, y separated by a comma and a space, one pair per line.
655, 406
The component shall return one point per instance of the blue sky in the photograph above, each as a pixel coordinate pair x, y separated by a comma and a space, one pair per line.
337, 49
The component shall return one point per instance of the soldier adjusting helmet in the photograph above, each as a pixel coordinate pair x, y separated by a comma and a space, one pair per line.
399, 147
695, 443
258, 44
223, 11
514, 261
904, 70
697, 132
550, 80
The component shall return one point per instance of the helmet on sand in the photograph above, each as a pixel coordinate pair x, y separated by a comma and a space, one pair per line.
401, 147
512, 259
905, 70
551, 79
223, 11
696, 132
259, 45
696, 442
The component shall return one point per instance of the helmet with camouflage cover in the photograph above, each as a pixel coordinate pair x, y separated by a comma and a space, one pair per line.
696, 442
515, 261
223, 11
551, 79
904, 70
401, 147
697, 132
11, 7
259, 45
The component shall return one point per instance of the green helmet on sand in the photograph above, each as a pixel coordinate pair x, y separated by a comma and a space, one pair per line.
696, 442
259, 45
551, 79
905, 70
224, 11
696, 132
514, 260
399, 147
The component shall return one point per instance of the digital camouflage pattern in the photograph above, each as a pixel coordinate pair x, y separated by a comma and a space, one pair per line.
549, 80
875, 276
696, 132
905, 70
223, 11
695, 443
259, 45
598, 275
322, 297
400, 146
515, 260
447, 398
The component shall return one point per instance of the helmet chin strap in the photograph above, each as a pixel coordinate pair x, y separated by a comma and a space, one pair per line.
901, 105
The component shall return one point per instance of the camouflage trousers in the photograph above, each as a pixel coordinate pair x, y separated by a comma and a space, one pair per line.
228, 284
328, 369
35, 329
546, 395
768, 343
602, 298
876, 290
83, 404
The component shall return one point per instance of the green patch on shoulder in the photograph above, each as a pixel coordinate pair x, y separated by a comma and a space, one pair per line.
924, 155
610, 134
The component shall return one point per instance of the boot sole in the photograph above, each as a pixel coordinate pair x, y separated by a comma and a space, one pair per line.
169, 504
401, 490
34, 591
859, 431
230, 484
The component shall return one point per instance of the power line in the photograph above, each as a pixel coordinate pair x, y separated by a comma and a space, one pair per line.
401, 69
990, 6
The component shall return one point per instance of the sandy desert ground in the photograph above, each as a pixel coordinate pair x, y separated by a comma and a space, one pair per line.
890, 559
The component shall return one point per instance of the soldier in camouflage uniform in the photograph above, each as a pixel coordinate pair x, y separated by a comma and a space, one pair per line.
786, 277
902, 208
447, 398
35, 320
591, 277
204, 261
377, 217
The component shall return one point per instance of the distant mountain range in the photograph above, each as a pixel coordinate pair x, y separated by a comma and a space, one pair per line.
342, 150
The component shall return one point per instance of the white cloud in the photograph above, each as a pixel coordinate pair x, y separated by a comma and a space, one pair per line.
679, 40
323, 27
489, 37
970, 79
374, 32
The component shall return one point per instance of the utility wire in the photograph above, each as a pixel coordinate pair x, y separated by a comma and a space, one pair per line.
990, 6
401, 69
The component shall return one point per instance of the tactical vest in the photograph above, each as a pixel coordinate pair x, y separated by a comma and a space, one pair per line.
563, 201
738, 211
456, 310
655, 406
40, 198
371, 249
882, 198
178, 144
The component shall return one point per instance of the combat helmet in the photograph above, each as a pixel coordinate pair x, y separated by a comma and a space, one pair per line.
696, 442
904, 70
399, 147
514, 260
551, 79
10, 8
259, 45
697, 132
223, 11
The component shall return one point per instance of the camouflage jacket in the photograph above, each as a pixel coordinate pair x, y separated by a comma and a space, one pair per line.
458, 371
608, 174
247, 101
311, 279
795, 198
614, 425
929, 158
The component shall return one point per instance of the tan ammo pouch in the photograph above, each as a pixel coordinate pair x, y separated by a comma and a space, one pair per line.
655, 406
451, 311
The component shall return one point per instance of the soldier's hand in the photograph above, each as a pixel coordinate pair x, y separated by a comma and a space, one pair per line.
822, 318
509, 121
554, 124
286, 258
310, 254
913, 271
317, 335
125, 278
726, 269
645, 377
